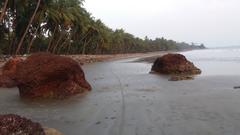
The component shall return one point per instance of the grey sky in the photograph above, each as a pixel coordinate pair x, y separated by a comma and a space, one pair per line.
212, 22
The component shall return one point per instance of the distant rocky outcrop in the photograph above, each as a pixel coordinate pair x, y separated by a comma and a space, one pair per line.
176, 65
44, 75
193, 46
15, 125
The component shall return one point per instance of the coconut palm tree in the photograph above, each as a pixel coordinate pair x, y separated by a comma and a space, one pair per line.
3, 11
28, 26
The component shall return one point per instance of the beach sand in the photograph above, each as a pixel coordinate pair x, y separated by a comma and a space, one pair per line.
86, 59
127, 100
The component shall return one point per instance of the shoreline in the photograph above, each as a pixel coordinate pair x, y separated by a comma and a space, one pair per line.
88, 59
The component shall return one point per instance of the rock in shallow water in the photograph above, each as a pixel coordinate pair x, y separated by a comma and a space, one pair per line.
15, 125
174, 64
7, 73
44, 75
11, 124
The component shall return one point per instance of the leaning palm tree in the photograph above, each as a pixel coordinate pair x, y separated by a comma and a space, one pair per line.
3, 11
28, 26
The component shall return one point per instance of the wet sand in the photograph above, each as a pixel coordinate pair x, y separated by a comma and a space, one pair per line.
127, 100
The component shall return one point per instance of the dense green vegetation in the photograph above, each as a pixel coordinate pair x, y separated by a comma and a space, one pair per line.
65, 27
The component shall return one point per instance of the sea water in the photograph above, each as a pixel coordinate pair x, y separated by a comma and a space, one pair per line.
216, 61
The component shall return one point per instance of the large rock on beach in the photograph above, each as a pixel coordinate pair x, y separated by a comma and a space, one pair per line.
174, 64
11, 124
44, 75
8, 72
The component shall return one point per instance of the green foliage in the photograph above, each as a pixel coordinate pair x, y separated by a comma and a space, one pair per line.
65, 27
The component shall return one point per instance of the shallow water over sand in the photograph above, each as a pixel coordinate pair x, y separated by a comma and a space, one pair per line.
127, 100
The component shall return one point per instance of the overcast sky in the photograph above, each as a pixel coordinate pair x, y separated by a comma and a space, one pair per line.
212, 22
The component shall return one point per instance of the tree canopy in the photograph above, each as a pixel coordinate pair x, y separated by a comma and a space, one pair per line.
65, 27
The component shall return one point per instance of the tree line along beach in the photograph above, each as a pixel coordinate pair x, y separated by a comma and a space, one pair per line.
62, 71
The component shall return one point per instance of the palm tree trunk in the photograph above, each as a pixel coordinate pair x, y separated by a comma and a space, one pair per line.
9, 38
61, 46
85, 36
97, 48
32, 40
3, 10
59, 39
68, 49
28, 26
84, 47
50, 42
